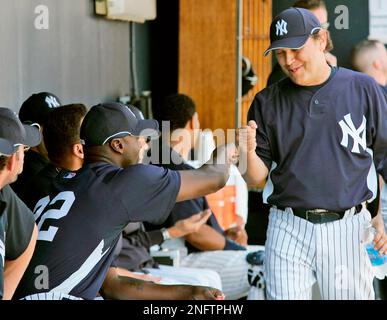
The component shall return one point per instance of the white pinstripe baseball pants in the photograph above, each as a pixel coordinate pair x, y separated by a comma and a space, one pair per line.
231, 265
299, 253
51, 296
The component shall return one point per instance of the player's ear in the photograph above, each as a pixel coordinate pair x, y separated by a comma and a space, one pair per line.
11, 163
377, 64
323, 39
190, 124
78, 150
194, 122
180, 135
117, 145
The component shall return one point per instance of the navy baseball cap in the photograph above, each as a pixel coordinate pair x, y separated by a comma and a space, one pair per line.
292, 28
114, 120
37, 106
13, 133
137, 112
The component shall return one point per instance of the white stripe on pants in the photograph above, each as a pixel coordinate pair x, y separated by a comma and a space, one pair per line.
299, 253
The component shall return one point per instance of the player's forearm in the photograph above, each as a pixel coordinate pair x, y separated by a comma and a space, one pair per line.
253, 169
206, 239
175, 232
378, 221
210, 177
14, 269
198, 183
125, 288
218, 173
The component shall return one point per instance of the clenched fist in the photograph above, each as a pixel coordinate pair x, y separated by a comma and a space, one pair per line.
246, 137
226, 154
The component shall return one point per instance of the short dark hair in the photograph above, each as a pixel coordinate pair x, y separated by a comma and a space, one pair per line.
178, 109
360, 49
310, 4
62, 128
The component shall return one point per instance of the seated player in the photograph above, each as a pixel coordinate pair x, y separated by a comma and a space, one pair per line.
81, 218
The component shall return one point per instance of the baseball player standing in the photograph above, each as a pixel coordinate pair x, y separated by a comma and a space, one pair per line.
315, 137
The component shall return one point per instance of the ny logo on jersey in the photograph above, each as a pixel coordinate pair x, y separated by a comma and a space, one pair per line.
2, 251
281, 27
52, 102
358, 135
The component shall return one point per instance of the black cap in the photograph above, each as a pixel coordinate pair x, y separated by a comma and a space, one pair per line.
292, 28
13, 133
37, 106
114, 120
137, 112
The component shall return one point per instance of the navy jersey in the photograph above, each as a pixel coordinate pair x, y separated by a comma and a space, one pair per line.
33, 163
81, 219
39, 185
16, 226
320, 145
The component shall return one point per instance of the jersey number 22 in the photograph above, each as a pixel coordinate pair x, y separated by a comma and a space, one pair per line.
68, 199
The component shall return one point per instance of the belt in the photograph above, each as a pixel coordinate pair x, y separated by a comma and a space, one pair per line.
319, 216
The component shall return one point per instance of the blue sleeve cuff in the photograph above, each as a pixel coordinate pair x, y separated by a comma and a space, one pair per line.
232, 245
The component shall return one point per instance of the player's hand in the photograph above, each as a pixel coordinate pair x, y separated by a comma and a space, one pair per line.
226, 154
380, 240
246, 137
237, 234
239, 221
206, 293
189, 225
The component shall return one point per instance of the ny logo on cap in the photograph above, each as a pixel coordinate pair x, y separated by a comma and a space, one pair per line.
281, 27
52, 102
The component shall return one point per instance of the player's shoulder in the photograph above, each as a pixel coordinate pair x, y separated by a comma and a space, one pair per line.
12, 200
265, 100
359, 79
142, 174
6, 193
284, 87
272, 91
108, 173
143, 169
